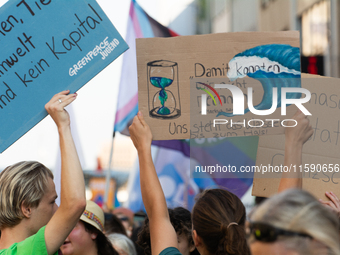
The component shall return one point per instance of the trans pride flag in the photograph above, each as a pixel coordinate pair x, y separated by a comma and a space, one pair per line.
140, 25
172, 158
175, 162
233, 151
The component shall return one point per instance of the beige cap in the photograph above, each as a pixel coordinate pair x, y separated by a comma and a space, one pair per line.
93, 215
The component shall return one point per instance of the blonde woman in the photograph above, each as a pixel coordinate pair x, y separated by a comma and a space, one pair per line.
122, 244
294, 222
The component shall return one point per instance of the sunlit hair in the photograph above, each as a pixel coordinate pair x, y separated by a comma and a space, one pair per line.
212, 216
23, 183
298, 211
122, 243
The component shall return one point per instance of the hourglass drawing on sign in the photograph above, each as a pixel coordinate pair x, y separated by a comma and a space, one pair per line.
163, 89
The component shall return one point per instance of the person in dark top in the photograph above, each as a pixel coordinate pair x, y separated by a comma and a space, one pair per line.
181, 220
218, 216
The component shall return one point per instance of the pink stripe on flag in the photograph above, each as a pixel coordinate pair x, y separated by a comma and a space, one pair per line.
121, 113
134, 18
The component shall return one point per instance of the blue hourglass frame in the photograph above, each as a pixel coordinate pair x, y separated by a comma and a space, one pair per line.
163, 89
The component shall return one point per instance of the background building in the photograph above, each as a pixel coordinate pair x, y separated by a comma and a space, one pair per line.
317, 21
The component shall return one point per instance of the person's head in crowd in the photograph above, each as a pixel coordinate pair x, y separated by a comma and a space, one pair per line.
293, 222
122, 244
218, 222
139, 219
87, 237
113, 225
259, 200
27, 196
30, 220
181, 221
126, 217
218, 216
134, 238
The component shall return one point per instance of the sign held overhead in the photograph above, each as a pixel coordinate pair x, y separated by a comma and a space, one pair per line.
47, 47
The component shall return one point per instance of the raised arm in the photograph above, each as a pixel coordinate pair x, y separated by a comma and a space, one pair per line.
72, 194
295, 138
162, 232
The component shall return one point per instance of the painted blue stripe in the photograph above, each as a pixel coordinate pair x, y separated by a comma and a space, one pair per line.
120, 126
143, 21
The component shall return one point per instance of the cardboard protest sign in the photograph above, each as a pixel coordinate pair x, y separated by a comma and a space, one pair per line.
320, 160
167, 65
218, 120
47, 47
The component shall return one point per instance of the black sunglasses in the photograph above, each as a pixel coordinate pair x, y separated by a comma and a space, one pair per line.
124, 218
267, 233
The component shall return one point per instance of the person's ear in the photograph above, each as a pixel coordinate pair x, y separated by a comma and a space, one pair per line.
26, 210
196, 238
192, 247
93, 236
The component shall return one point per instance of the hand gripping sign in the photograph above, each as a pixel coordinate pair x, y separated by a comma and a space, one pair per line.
47, 47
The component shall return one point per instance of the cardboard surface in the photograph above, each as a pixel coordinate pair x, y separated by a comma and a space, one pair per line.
214, 125
199, 56
48, 47
321, 151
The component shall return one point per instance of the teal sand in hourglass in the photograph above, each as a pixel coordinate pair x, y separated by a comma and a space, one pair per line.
162, 82
163, 103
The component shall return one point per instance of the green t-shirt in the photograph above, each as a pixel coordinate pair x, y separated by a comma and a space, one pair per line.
170, 251
33, 245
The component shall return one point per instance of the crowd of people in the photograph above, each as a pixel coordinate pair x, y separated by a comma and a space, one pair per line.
291, 222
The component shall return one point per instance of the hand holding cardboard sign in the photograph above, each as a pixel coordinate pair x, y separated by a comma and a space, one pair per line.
55, 107
298, 135
295, 138
333, 204
140, 132
162, 233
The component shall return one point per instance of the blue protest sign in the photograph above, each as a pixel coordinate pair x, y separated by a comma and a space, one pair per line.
48, 46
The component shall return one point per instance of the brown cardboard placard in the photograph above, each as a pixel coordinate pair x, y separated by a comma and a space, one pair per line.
198, 56
321, 150
214, 125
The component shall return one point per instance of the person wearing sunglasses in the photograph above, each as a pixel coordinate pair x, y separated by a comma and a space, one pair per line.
267, 233
293, 222
125, 215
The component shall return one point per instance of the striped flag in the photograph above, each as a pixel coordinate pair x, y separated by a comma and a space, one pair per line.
172, 158
140, 25
175, 160
233, 151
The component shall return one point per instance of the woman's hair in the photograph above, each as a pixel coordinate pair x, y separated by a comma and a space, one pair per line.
22, 183
181, 221
298, 211
122, 242
218, 218
104, 245
113, 225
